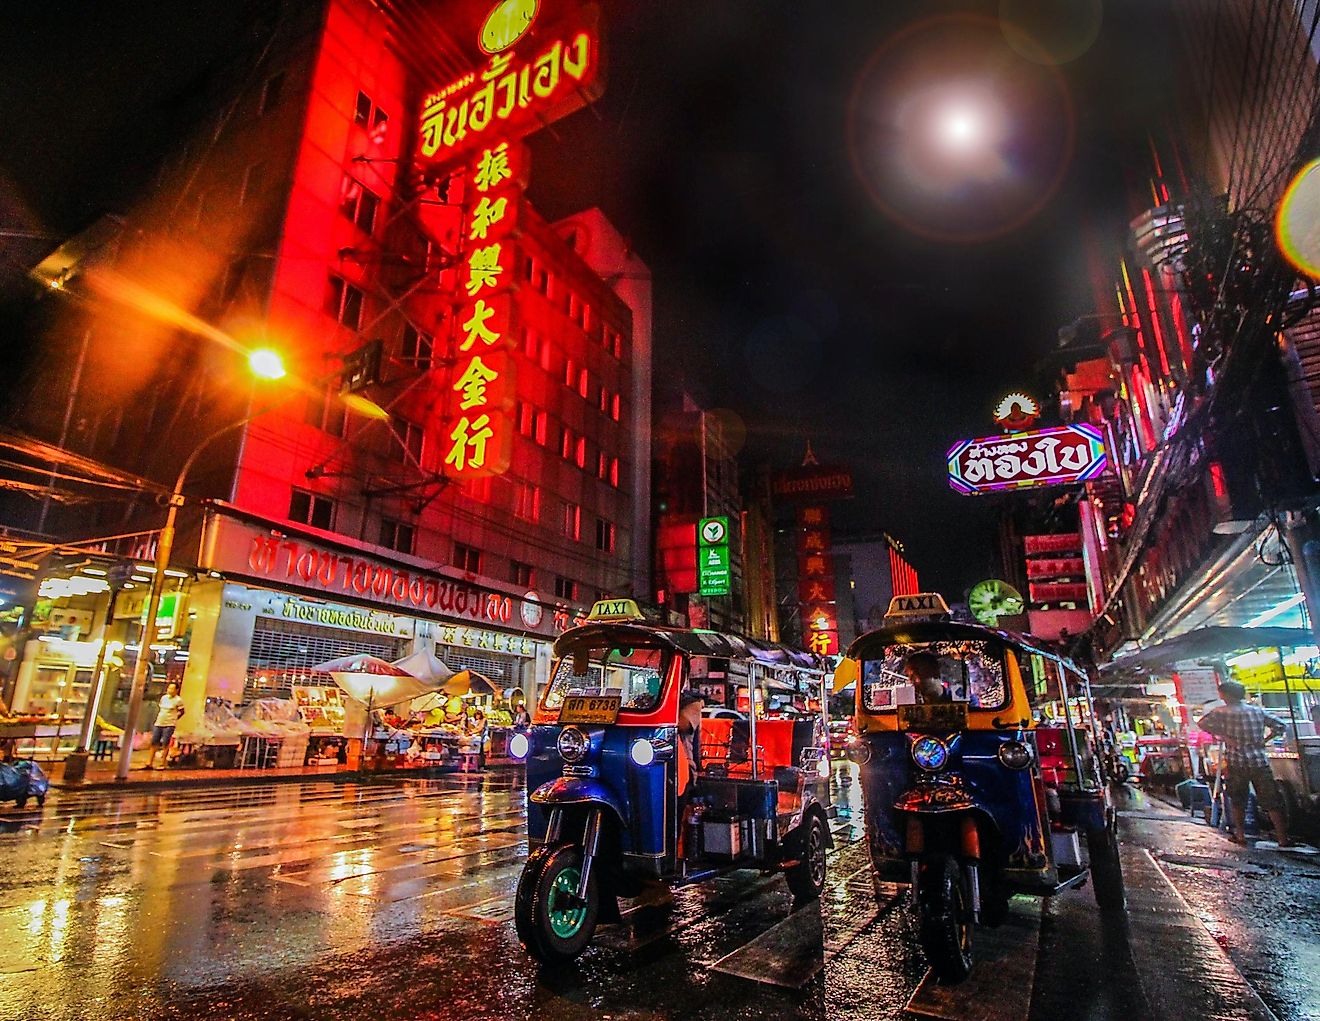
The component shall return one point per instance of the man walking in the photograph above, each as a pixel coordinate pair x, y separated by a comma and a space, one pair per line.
1244, 729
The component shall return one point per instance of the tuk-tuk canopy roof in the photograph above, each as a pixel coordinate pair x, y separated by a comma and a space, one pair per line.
692, 642
867, 646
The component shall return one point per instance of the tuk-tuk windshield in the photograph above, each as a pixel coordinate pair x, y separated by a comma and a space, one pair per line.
969, 671
635, 674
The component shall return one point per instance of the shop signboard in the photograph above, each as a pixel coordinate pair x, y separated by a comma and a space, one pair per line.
713, 573
813, 483
1058, 456
245, 550
458, 636
333, 615
531, 75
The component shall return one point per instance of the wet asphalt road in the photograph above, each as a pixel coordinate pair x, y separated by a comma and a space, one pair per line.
393, 900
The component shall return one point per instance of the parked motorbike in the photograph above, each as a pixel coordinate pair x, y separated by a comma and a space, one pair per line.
22, 780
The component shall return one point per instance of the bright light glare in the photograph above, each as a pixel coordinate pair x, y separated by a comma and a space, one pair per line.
365, 407
959, 128
266, 363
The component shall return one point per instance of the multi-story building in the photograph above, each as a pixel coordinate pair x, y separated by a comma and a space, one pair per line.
324, 209
1195, 363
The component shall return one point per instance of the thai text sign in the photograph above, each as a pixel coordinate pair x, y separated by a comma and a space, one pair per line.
1059, 456
233, 547
547, 75
813, 482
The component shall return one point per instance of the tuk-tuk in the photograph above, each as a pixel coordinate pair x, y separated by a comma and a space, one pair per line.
613, 802
979, 772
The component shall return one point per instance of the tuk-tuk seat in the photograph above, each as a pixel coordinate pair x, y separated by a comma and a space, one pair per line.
724, 745
1056, 767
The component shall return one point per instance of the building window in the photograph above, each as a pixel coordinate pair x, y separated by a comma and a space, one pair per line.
572, 523
583, 383
570, 373
397, 535
531, 344
602, 466
565, 588
362, 110
467, 558
270, 94
311, 509
614, 472
521, 574
580, 452
360, 204
327, 413
407, 440
616, 406
603, 402
547, 352
254, 179
527, 504
566, 443
416, 347
604, 535
344, 302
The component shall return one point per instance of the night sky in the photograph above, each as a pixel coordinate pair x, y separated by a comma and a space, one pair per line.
756, 153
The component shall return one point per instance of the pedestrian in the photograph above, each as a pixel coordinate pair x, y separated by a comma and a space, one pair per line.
690, 704
522, 719
167, 718
1244, 729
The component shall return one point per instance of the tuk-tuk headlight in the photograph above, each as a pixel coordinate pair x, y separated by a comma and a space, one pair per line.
930, 753
572, 744
1014, 755
519, 746
642, 752
858, 751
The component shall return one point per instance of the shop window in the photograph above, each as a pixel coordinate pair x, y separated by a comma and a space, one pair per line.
397, 535
416, 347
572, 522
254, 180
311, 509
407, 438
604, 535
344, 302
467, 558
565, 588
527, 504
270, 93
521, 574
360, 204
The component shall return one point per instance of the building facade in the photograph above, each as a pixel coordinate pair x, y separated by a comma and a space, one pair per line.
502, 481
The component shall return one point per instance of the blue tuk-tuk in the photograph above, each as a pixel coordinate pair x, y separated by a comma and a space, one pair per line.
614, 803
979, 772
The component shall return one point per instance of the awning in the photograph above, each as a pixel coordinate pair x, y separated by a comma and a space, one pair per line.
1206, 643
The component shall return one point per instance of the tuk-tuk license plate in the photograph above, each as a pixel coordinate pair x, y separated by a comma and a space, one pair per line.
590, 709
933, 716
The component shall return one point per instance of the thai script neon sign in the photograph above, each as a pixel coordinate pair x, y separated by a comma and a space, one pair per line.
1058, 456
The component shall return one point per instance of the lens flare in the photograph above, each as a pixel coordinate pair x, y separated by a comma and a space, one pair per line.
1297, 223
266, 363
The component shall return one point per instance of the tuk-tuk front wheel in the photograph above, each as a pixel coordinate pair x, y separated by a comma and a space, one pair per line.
946, 918
552, 922
1106, 870
806, 879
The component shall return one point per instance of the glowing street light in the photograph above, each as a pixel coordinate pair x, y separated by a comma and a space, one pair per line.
266, 363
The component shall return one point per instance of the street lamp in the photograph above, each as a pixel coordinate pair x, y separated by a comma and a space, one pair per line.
265, 364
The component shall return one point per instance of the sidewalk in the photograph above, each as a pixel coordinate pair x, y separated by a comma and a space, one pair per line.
1230, 929
101, 776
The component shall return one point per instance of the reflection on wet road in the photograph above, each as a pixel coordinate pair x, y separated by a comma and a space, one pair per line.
393, 899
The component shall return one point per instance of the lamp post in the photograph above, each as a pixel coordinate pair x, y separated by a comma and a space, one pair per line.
266, 365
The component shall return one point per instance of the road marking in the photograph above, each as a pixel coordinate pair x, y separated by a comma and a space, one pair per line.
1003, 975
788, 954
491, 911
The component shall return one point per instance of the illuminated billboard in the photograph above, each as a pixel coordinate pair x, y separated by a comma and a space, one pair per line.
1058, 456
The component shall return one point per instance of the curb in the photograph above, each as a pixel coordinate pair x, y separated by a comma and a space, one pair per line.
256, 779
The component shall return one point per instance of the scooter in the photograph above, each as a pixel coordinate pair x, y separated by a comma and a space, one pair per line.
22, 780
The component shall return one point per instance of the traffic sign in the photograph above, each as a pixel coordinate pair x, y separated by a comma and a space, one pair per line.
713, 531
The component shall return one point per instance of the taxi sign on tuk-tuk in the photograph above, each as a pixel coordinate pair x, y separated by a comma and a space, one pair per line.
918, 606
615, 609
590, 709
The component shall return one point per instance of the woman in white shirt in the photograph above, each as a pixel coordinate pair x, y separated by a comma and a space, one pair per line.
167, 718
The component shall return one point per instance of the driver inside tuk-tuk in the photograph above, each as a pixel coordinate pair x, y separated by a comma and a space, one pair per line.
923, 672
